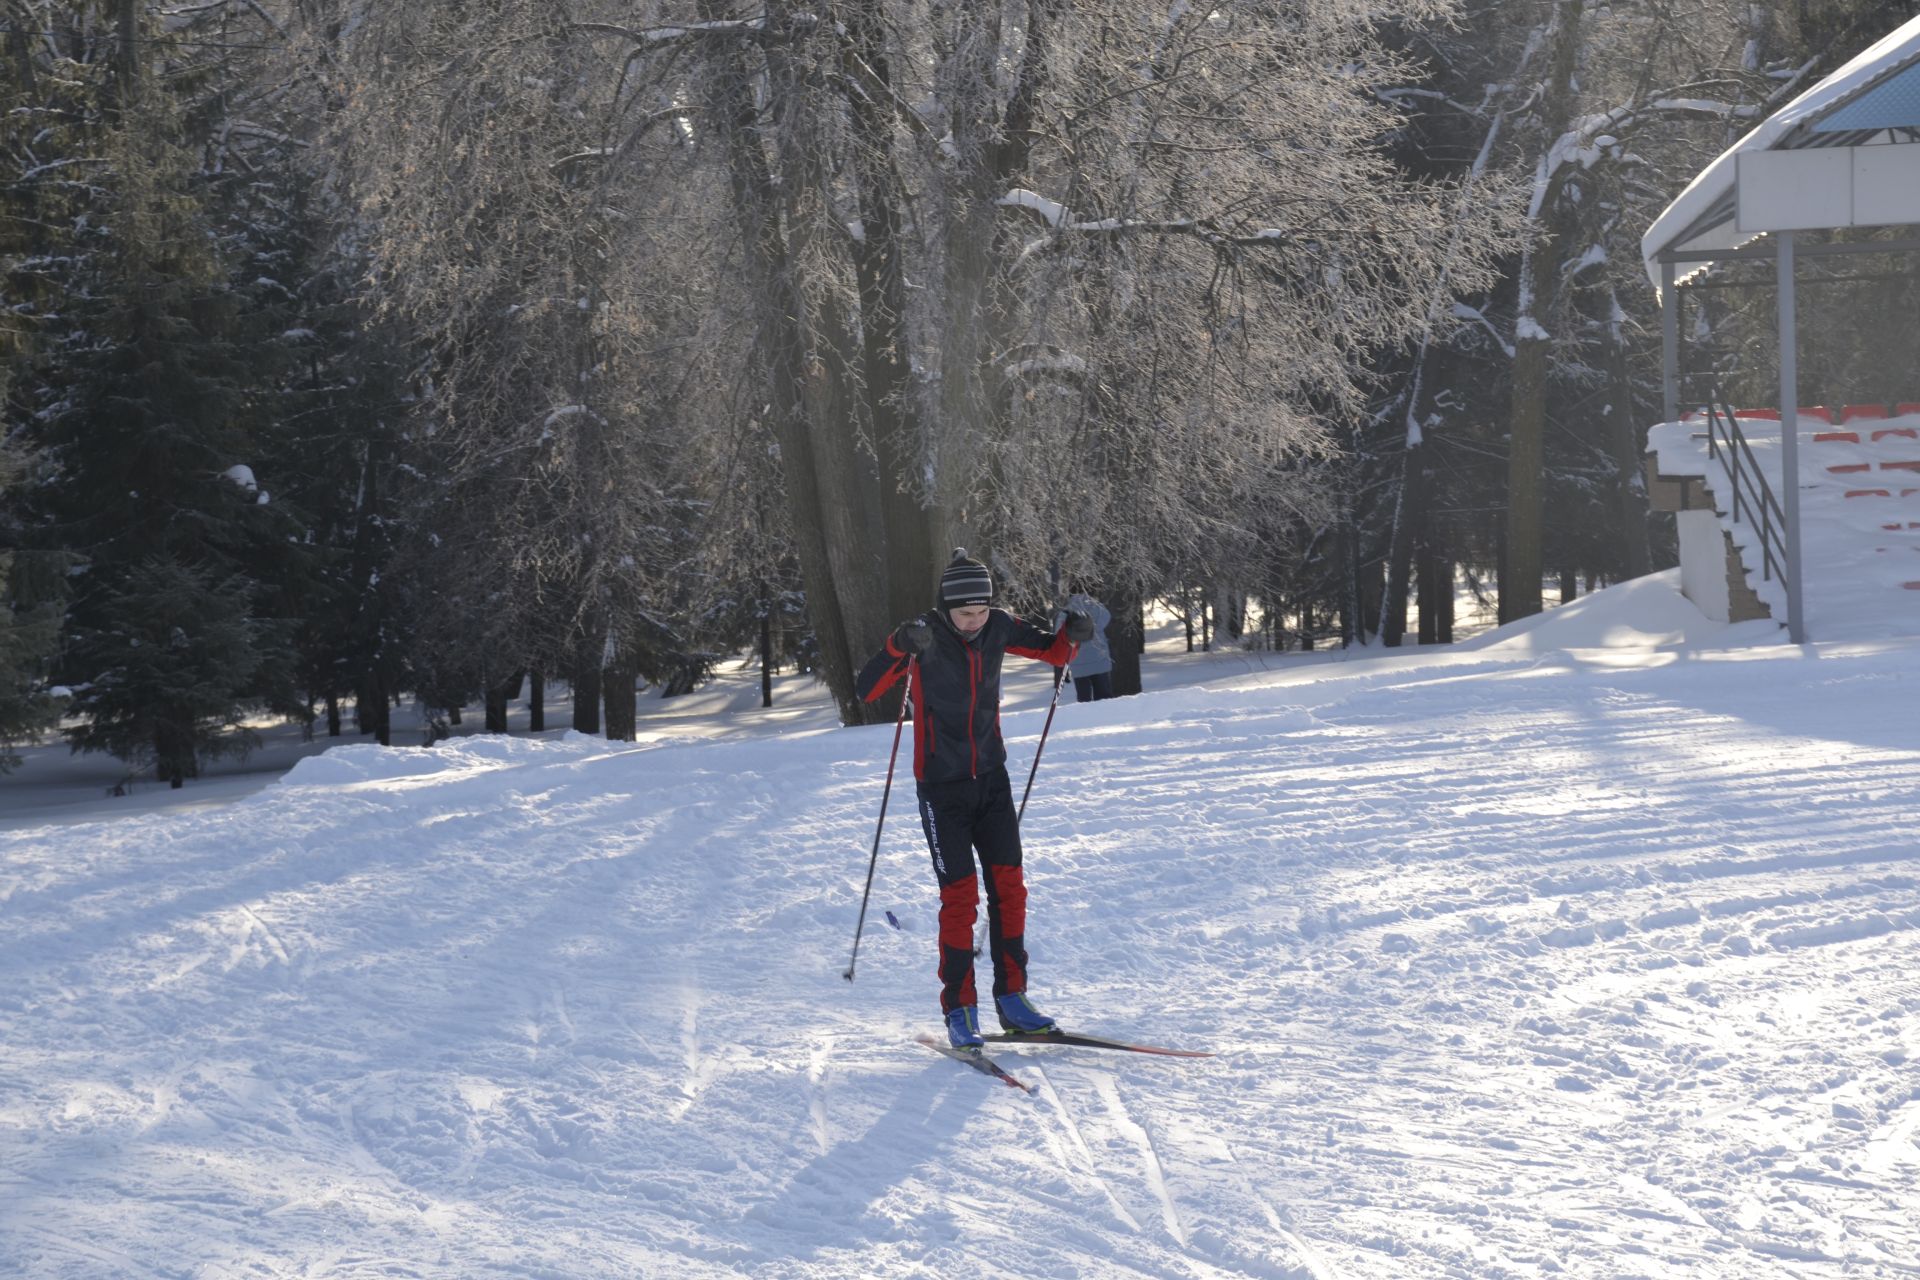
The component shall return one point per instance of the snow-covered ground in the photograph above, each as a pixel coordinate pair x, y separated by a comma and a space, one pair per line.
1585, 949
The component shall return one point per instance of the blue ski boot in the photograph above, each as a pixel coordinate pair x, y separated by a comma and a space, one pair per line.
1018, 1015
963, 1027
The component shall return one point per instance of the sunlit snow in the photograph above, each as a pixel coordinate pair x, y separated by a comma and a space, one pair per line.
1585, 949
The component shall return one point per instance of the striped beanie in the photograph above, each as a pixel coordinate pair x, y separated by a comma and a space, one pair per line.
965, 582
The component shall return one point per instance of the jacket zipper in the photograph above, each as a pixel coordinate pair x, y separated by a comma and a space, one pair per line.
973, 705
920, 716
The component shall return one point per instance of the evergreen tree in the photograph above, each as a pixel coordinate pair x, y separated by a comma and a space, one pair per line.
51, 99
29, 632
147, 404
175, 660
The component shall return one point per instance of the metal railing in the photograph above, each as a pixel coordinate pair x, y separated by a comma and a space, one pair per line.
1753, 499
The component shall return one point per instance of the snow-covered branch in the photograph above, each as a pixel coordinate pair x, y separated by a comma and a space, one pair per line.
1462, 311
1042, 359
1057, 218
33, 174
578, 158
1397, 98
869, 84
1051, 212
1593, 136
761, 28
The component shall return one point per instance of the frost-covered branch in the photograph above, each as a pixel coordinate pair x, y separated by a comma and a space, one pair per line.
1057, 217
644, 39
33, 174
1461, 311
1035, 360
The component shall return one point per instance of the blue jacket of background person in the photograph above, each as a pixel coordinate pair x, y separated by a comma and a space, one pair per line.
1095, 656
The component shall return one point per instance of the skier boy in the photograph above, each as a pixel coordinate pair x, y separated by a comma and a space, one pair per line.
960, 774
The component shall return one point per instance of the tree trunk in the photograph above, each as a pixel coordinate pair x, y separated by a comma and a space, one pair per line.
850, 491
587, 661
1365, 584
1126, 641
333, 714
623, 703
993, 147
1538, 284
1630, 495
536, 702
1426, 598
911, 557
126, 54
1409, 524
783, 349
172, 754
1499, 563
1523, 567
498, 697
586, 699
1436, 593
371, 713
766, 658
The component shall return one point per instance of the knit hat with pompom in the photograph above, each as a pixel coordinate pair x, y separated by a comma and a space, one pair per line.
965, 581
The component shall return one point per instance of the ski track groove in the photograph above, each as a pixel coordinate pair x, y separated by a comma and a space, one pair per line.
1092, 1171
1135, 1132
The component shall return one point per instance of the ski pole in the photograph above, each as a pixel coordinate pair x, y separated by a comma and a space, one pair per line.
906, 696
1066, 674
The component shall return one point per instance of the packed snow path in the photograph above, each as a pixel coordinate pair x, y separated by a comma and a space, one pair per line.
1518, 963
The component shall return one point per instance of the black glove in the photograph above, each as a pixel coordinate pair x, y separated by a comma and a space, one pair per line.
913, 637
1079, 626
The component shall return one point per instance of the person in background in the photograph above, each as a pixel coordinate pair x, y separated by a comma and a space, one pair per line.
1093, 665
960, 774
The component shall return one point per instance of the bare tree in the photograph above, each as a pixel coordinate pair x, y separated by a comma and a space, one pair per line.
564, 300
1150, 256
1080, 285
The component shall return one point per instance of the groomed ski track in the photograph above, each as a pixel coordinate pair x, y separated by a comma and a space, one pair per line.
1519, 962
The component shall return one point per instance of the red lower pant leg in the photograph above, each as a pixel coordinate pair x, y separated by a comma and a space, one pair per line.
1007, 919
959, 906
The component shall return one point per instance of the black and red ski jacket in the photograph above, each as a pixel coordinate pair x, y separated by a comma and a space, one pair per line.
956, 690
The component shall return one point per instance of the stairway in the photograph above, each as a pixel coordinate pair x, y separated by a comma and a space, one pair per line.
1860, 518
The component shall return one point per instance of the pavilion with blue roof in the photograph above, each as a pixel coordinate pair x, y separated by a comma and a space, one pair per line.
1846, 153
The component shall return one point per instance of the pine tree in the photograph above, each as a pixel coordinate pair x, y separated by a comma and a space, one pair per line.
147, 405
47, 106
29, 633
174, 666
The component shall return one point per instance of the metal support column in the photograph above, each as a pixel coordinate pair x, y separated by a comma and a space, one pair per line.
1790, 431
1669, 344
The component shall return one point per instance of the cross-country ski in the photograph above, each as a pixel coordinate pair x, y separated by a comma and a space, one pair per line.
975, 1058
1089, 1042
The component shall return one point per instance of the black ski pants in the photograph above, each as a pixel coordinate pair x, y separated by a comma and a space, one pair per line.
961, 818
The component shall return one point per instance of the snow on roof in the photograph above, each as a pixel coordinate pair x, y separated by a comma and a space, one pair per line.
1701, 217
